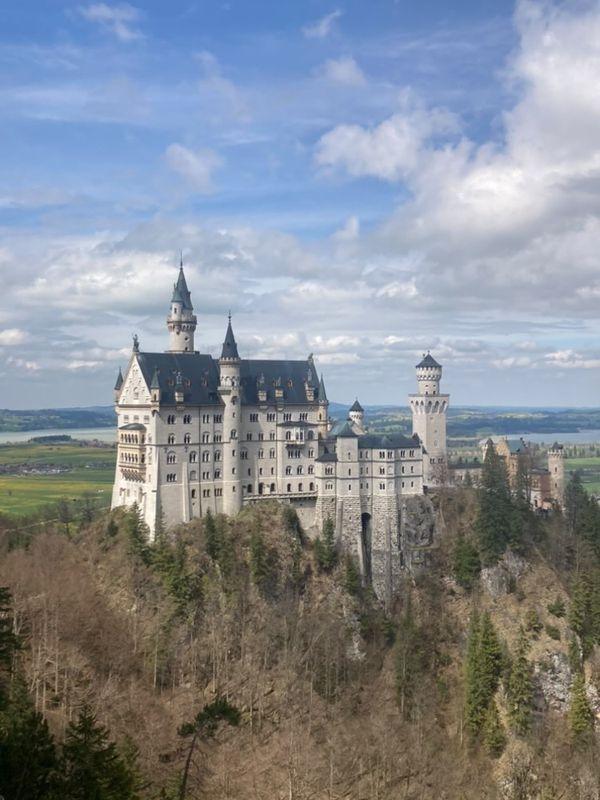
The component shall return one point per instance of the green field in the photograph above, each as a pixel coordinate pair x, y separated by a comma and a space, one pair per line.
589, 467
90, 471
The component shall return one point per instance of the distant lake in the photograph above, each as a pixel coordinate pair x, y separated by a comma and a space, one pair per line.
101, 434
572, 437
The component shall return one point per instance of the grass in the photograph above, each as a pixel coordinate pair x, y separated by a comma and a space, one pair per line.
90, 471
589, 467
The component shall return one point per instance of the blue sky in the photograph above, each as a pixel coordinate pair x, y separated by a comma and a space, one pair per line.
363, 181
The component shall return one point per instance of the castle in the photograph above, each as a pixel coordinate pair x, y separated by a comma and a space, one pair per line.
197, 433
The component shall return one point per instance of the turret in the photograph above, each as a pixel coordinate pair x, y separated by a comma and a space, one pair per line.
429, 375
429, 410
357, 416
181, 321
323, 408
229, 390
556, 468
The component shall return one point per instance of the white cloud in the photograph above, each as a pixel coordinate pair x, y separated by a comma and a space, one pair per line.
119, 20
322, 27
12, 336
343, 70
392, 150
197, 167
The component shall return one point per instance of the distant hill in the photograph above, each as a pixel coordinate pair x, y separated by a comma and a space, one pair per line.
62, 418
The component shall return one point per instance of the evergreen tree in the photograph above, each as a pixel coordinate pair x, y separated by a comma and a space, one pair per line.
263, 564
495, 524
494, 737
213, 536
92, 767
520, 688
465, 562
411, 658
575, 500
581, 617
9, 643
28, 761
581, 717
204, 726
352, 582
136, 533
325, 549
484, 664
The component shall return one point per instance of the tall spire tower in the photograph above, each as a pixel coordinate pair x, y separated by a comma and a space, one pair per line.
429, 409
181, 321
229, 390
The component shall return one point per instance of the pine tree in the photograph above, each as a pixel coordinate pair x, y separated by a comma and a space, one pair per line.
520, 688
136, 533
28, 761
581, 717
9, 642
484, 664
494, 737
325, 549
581, 618
465, 562
263, 564
352, 582
495, 524
411, 658
92, 767
212, 533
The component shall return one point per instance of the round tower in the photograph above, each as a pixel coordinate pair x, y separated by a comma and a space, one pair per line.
229, 390
356, 415
556, 468
429, 409
181, 321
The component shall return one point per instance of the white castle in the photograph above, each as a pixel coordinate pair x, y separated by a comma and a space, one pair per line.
197, 433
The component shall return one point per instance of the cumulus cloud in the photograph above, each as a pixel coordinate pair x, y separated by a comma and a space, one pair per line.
197, 167
343, 70
392, 150
322, 27
120, 20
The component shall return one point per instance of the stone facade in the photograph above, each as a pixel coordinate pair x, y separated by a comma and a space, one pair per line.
197, 433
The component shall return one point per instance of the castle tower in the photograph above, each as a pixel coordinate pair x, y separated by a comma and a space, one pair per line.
323, 409
181, 321
229, 390
429, 409
556, 467
357, 416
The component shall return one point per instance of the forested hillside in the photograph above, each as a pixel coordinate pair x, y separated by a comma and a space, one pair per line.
235, 659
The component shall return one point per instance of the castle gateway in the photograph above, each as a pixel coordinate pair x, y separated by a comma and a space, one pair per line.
197, 433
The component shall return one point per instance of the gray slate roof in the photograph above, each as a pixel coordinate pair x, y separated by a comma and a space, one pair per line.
356, 406
388, 441
119, 381
428, 361
327, 457
229, 349
200, 378
181, 293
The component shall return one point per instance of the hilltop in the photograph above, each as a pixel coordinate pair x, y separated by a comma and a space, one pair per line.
338, 696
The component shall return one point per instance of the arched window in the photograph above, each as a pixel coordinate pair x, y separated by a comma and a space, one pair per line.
171, 458
289, 487
300, 487
299, 470
193, 457
288, 435
193, 475
217, 455
233, 434
311, 435
171, 439
187, 438
272, 488
311, 487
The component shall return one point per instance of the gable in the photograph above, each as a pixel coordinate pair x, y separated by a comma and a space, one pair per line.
135, 390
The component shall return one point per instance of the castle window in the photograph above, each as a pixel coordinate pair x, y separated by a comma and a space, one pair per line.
412, 483
272, 453
403, 470
171, 419
311, 487
261, 436
329, 485
249, 488
217, 473
288, 470
205, 455
382, 470
244, 454
349, 487
382, 485
390, 454
328, 470
171, 458
170, 439
288, 436
193, 475
300, 488
261, 453
248, 437
272, 436
271, 417
402, 453
349, 473
303, 416
217, 417
187, 418
205, 492
233, 434
411, 453
205, 438
299, 470
253, 417
217, 437
287, 417
171, 477
187, 438
311, 469
289, 487
272, 488
193, 494
217, 455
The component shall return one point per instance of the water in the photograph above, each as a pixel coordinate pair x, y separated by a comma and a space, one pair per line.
102, 434
571, 437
